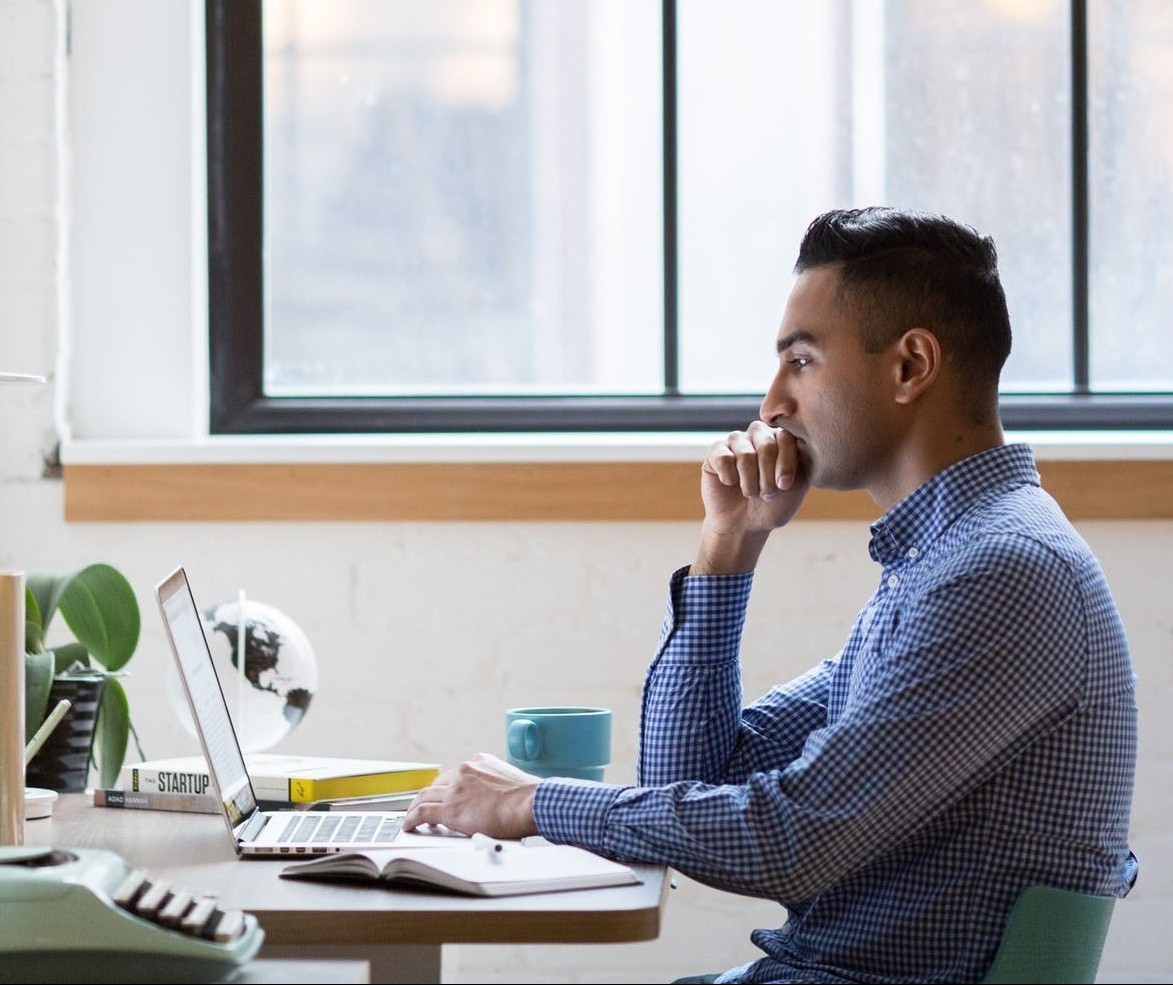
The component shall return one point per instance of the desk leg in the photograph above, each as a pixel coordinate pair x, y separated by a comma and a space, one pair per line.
391, 963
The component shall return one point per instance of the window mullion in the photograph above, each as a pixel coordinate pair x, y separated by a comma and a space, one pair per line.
671, 292
1080, 349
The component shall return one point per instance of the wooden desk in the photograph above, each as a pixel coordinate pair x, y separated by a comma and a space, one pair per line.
400, 931
265, 971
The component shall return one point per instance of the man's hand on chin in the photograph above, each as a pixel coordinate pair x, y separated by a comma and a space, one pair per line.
484, 794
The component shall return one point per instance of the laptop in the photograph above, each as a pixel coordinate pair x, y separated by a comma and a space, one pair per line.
256, 832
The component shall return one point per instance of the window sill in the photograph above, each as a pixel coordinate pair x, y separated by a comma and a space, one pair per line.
1093, 475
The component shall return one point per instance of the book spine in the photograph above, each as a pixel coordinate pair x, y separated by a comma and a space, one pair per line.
167, 781
306, 789
274, 788
379, 802
140, 800
197, 782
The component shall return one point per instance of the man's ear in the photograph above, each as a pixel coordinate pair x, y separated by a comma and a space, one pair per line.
917, 364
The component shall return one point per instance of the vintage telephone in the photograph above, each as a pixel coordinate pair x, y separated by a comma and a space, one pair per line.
83, 915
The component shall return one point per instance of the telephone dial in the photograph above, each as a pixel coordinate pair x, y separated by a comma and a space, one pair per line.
84, 915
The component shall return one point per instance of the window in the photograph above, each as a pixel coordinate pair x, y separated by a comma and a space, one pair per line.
581, 214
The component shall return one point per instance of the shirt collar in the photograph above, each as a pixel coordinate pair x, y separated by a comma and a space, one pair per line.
926, 512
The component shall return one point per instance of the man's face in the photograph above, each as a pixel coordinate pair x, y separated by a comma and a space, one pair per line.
829, 393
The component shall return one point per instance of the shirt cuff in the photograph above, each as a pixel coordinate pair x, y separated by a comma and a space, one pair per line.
704, 618
570, 811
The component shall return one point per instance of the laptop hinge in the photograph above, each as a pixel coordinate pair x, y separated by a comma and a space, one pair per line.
252, 826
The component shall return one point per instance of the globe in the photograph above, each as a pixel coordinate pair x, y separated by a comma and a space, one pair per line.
271, 692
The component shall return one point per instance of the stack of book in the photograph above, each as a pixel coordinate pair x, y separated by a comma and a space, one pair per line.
184, 784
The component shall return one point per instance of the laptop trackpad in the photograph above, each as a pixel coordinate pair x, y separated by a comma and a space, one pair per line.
429, 836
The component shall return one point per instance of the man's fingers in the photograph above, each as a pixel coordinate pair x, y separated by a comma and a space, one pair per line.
753, 460
747, 463
420, 814
786, 466
722, 463
765, 444
735, 462
452, 815
428, 801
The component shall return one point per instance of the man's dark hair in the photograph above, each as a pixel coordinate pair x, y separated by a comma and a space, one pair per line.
901, 270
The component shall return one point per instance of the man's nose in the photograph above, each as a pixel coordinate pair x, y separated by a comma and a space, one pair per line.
777, 405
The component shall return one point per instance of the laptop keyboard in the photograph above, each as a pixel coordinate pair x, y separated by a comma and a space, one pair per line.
340, 828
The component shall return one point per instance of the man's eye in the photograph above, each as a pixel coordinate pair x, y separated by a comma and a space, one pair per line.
798, 362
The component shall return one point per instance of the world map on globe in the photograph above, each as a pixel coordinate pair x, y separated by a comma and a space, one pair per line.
270, 694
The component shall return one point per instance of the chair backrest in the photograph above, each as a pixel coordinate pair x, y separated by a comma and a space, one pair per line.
1053, 935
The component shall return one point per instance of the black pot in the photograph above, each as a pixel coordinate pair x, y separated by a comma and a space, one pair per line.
63, 762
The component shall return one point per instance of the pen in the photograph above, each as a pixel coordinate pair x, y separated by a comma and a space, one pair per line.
47, 726
490, 845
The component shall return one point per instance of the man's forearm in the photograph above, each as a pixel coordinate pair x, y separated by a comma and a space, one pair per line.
692, 694
728, 553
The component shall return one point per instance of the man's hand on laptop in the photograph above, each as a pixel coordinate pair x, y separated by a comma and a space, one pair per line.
485, 794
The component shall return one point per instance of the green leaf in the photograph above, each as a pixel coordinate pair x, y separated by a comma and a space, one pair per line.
34, 629
68, 654
46, 591
100, 607
112, 731
38, 681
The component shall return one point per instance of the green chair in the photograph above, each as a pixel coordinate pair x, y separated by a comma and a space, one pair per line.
1053, 935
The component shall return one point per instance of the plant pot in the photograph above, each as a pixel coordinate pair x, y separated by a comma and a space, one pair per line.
63, 762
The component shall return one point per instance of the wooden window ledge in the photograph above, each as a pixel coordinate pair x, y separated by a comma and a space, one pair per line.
615, 483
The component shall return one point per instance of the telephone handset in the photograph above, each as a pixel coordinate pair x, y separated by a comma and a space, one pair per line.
84, 915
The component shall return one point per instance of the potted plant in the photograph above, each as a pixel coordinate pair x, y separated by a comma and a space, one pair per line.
100, 609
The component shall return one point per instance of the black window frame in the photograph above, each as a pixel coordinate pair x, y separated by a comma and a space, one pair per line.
239, 404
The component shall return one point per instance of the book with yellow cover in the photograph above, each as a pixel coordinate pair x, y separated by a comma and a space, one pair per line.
284, 778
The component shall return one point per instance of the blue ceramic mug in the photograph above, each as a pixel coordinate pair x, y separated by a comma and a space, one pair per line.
567, 741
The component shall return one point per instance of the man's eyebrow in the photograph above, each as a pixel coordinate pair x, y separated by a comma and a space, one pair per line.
802, 335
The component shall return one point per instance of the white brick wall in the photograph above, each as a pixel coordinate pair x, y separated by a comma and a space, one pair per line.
30, 233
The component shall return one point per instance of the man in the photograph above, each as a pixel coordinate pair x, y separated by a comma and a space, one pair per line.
977, 732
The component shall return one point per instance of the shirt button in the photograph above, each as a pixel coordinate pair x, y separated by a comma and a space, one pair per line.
913, 552
893, 581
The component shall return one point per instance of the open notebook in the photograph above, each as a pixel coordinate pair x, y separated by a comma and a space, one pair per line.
254, 831
504, 869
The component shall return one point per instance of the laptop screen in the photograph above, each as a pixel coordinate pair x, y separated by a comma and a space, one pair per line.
208, 707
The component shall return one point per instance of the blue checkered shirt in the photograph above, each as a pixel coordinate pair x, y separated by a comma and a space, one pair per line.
975, 735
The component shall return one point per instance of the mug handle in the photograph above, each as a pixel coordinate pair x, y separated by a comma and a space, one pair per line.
524, 739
